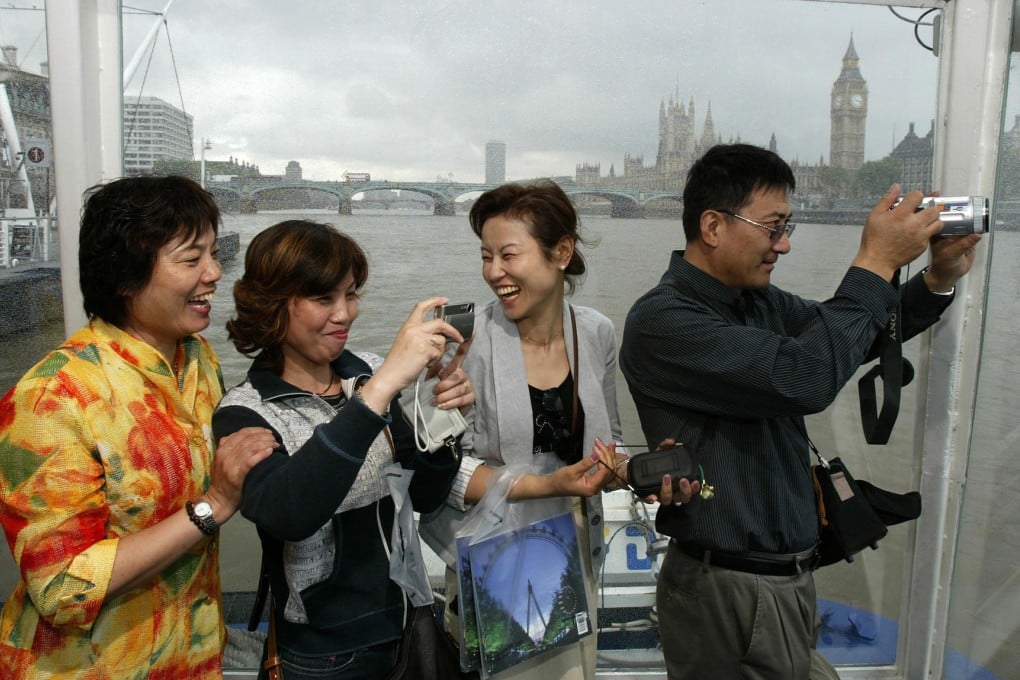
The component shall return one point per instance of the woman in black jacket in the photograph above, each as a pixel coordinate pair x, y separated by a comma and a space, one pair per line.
325, 502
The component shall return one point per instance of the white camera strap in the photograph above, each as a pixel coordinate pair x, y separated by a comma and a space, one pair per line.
434, 428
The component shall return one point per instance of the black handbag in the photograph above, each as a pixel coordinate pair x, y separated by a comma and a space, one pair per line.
853, 514
427, 652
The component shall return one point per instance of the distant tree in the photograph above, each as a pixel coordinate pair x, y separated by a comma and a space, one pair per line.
875, 177
176, 166
835, 183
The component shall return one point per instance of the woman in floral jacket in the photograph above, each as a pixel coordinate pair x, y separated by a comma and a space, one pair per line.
110, 496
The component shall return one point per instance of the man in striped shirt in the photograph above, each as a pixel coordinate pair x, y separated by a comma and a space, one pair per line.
717, 357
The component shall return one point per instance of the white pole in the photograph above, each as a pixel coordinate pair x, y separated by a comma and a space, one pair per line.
205, 145
974, 61
129, 70
14, 143
86, 97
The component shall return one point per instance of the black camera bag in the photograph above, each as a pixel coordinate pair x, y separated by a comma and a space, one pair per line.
853, 515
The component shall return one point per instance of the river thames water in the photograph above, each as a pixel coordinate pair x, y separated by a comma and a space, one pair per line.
413, 255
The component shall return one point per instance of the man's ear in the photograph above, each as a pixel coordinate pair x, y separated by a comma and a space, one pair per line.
711, 222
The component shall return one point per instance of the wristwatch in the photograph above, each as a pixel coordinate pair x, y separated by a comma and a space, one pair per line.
201, 514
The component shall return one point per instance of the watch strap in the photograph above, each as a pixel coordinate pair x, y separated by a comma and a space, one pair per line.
206, 524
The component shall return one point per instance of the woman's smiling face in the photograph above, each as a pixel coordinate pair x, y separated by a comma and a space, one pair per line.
517, 268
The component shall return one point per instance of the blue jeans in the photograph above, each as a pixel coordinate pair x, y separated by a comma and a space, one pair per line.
368, 663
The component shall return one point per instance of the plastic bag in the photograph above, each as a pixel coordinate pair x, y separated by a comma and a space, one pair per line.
522, 589
407, 565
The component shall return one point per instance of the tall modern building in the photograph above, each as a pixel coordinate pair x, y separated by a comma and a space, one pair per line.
495, 163
154, 130
848, 112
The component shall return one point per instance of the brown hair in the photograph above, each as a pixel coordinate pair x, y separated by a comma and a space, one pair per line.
292, 259
547, 211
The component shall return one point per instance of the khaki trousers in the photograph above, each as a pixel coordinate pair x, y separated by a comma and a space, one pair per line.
719, 623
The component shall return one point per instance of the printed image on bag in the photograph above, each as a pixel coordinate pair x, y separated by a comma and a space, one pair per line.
529, 592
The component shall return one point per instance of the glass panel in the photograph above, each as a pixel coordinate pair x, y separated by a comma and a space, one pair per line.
31, 308
614, 103
984, 614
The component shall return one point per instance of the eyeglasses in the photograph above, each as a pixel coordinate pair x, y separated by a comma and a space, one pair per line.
775, 233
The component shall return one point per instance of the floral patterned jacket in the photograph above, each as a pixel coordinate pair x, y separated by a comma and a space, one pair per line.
98, 441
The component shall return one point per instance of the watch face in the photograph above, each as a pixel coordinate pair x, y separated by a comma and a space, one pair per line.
857, 100
203, 509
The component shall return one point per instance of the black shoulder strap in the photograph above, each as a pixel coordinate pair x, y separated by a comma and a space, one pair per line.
895, 372
261, 593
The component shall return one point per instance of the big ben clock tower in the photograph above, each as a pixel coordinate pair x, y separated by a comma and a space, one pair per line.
848, 111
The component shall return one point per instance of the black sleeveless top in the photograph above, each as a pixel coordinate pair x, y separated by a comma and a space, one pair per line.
553, 410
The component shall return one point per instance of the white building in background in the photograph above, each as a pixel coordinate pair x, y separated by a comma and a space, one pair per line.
495, 163
154, 130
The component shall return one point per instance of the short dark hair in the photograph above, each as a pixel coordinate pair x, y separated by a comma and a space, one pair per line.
545, 208
124, 223
726, 177
291, 259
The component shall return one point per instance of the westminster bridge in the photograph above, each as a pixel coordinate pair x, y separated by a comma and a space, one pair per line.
250, 194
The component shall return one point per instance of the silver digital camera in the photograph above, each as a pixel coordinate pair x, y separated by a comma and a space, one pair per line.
960, 215
460, 316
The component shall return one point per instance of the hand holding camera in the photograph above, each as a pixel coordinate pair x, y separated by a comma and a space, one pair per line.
896, 233
431, 407
960, 215
420, 343
460, 316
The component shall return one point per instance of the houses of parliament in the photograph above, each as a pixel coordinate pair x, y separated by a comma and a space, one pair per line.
822, 185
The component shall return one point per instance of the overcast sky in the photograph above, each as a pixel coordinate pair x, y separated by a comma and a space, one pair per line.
413, 90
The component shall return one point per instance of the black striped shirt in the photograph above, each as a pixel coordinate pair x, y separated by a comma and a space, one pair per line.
733, 375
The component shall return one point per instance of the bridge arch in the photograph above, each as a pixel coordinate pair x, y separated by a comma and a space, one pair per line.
246, 193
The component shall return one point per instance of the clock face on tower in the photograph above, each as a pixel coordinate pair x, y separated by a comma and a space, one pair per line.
857, 101
837, 100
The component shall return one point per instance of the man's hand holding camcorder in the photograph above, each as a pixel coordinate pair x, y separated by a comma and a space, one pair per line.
951, 258
895, 235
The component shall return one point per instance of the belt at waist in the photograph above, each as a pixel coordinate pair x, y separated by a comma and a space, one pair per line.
764, 564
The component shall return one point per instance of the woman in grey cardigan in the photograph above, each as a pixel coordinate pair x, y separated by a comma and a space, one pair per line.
524, 367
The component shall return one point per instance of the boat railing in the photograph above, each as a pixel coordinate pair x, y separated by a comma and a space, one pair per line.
26, 238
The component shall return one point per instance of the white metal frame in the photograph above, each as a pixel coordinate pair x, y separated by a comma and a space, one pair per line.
86, 91
973, 71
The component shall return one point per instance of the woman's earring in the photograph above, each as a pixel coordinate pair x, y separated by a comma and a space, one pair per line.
563, 267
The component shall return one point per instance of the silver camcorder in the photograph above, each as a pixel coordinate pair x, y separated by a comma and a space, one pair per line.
960, 215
